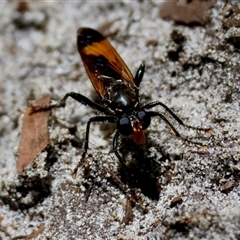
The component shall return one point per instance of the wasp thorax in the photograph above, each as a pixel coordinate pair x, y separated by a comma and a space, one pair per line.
122, 96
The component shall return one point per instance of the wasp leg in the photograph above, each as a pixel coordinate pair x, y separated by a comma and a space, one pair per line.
110, 119
175, 132
115, 150
62, 102
154, 104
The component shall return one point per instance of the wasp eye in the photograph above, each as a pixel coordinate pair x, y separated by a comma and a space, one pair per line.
144, 119
124, 126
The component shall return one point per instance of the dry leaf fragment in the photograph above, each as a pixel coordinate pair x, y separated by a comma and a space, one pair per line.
194, 12
35, 136
36, 232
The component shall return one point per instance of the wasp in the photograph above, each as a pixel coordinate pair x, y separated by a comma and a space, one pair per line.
118, 91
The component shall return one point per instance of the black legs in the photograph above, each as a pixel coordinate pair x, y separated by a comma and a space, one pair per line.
176, 133
87, 102
109, 119
154, 104
115, 149
78, 97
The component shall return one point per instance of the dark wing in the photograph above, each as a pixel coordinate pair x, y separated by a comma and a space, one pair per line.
102, 63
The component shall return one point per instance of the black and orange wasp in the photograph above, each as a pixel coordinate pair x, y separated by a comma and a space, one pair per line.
118, 91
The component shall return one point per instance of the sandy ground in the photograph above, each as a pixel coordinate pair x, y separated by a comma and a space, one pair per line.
175, 190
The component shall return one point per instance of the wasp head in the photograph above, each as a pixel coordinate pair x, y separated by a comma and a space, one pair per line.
134, 125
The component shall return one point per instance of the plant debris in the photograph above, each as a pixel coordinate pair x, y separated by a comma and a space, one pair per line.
35, 138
